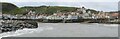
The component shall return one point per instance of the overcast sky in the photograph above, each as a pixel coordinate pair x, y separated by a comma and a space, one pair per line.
101, 5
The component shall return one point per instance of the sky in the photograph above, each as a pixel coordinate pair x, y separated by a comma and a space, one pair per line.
100, 5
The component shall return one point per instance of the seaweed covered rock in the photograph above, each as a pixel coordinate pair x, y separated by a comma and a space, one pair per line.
10, 25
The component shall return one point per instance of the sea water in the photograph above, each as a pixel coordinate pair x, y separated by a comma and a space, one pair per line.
66, 30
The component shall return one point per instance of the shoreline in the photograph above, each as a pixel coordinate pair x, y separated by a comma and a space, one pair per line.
48, 28
12, 25
74, 30
103, 21
34, 23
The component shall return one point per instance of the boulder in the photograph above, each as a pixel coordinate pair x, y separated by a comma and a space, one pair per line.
15, 25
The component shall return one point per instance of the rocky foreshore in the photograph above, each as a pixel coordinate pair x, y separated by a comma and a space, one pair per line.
104, 21
13, 25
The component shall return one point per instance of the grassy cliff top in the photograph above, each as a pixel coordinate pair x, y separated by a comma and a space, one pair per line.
9, 8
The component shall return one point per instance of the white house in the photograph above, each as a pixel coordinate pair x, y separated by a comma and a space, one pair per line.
72, 17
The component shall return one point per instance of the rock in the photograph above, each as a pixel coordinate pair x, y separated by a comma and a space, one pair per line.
11, 25
0, 31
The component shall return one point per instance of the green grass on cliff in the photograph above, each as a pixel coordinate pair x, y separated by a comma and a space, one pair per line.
8, 8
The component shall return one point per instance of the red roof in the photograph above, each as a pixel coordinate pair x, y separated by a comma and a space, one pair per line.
114, 14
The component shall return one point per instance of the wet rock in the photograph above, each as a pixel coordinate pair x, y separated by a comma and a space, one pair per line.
11, 25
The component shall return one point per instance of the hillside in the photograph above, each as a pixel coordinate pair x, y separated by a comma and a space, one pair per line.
49, 9
9, 8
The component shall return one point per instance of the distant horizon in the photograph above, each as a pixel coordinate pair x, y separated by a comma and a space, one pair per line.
98, 6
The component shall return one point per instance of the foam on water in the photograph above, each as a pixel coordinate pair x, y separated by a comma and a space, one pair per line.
111, 25
24, 31
43, 27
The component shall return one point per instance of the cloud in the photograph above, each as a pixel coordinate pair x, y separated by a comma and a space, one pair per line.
100, 6
106, 5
